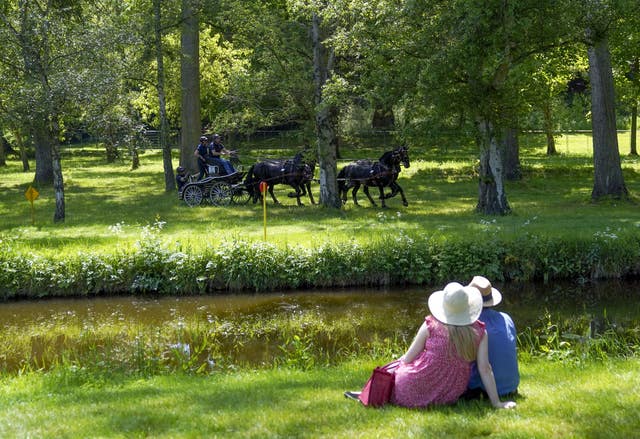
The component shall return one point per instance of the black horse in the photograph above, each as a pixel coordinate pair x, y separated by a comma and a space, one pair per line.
305, 184
293, 172
382, 173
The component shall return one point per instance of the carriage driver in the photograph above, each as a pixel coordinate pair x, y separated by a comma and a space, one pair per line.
216, 150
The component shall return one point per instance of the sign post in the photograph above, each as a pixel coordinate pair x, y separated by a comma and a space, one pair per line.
263, 190
31, 195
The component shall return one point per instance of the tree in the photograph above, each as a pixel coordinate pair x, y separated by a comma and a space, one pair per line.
169, 178
471, 51
625, 51
323, 61
608, 178
548, 77
191, 126
44, 34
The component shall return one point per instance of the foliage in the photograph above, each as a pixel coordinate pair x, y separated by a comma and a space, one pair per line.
579, 339
155, 266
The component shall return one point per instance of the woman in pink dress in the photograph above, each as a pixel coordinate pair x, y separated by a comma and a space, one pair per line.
435, 369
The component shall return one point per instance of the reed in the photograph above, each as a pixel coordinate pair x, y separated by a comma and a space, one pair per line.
200, 343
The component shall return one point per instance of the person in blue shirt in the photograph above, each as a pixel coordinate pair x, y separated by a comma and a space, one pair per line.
216, 150
502, 344
202, 153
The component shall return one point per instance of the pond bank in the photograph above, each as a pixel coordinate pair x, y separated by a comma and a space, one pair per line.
157, 267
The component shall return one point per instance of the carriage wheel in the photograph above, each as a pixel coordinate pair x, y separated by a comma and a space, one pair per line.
240, 194
192, 195
220, 194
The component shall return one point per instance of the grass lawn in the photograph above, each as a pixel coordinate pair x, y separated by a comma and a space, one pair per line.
557, 400
107, 205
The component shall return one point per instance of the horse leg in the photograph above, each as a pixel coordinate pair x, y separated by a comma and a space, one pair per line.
395, 188
308, 187
298, 192
275, 200
381, 189
405, 203
366, 191
354, 191
343, 190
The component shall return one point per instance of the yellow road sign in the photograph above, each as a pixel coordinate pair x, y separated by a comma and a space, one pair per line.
31, 194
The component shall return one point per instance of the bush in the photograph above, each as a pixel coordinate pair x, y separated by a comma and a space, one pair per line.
156, 267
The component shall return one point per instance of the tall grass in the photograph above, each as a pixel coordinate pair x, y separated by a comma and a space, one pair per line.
199, 341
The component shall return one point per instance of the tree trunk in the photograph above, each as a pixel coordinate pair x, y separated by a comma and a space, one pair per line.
608, 179
190, 82
58, 181
634, 128
135, 158
548, 128
111, 150
43, 150
3, 156
512, 169
23, 151
169, 177
492, 198
325, 120
58, 184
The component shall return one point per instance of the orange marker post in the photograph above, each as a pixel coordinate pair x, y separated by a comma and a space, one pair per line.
263, 190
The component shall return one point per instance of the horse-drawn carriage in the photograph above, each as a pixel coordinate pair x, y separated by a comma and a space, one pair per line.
217, 189
222, 190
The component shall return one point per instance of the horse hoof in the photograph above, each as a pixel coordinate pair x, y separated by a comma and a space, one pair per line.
405, 204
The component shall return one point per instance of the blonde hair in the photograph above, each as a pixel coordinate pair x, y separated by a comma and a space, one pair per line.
462, 340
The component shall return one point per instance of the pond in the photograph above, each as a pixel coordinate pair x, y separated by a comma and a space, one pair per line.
299, 327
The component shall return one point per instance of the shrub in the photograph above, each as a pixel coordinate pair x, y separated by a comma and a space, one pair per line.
154, 266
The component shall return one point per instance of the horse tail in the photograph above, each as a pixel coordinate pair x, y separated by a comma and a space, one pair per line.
250, 184
341, 179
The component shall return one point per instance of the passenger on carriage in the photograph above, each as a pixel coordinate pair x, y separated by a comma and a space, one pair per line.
215, 151
202, 152
182, 177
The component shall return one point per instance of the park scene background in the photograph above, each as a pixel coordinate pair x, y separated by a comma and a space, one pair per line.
127, 313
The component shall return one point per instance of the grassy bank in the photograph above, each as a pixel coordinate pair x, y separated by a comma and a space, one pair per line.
123, 233
557, 400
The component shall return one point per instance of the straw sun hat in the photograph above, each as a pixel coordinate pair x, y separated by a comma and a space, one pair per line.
490, 296
456, 305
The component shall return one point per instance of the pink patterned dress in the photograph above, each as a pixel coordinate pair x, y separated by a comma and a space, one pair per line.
436, 376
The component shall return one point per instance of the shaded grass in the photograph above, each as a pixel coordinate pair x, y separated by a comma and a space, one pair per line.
556, 401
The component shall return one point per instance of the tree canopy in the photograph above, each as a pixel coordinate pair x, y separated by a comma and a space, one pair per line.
435, 71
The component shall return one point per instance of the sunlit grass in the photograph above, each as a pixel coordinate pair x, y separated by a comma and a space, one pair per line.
556, 401
552, 198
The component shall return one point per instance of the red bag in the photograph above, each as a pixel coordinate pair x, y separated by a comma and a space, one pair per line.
377, 391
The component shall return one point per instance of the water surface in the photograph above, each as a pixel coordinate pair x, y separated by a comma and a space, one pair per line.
262, 329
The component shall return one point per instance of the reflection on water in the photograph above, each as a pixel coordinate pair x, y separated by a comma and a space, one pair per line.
525, 302
256, 328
